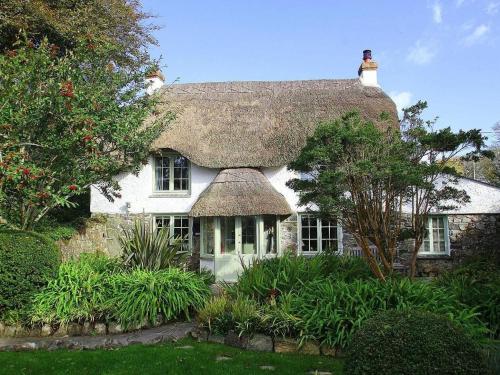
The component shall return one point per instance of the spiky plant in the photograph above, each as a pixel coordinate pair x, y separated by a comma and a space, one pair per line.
147, 248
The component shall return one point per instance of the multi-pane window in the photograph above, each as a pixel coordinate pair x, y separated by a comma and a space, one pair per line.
171, 173
309, 232
270, 233
329, 236
436, 241
318, 234
228, 235
248, 235
208, 236
177, 226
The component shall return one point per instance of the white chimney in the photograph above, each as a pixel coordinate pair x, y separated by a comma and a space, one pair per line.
154, 81
368, 70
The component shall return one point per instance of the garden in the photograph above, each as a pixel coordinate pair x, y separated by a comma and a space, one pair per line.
330, 303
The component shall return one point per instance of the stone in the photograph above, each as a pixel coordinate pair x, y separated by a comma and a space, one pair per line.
159, 321
260, 343
35, 332
318, 372
10, 331
74, 329
217, 290
234, 340
285, 345
328, 351
46, 330
267, 367
2, 328
185, 347
86, 328
100, 329
216, 338
309, 347
114, 328
61, 331
222, 358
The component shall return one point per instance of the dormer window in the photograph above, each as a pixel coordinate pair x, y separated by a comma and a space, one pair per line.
171, 174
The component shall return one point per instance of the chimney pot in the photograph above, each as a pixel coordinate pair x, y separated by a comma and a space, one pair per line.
154, 81
367, 54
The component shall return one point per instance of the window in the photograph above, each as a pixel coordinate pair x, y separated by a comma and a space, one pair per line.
317, 235
171, 173
309, 231
248, 235
177, 226
207, 236
436, 240
228, 235
270, 234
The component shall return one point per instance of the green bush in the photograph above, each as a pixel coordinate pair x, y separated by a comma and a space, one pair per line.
27, 261
79, 291
476, 283
143, 295
270, 277
331, 311
412, 343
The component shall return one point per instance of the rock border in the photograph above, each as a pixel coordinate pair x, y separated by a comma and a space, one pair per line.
264, 343
166, 333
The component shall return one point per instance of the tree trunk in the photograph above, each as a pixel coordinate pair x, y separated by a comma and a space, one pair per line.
413, 260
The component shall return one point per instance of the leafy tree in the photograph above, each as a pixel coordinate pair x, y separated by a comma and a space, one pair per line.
432, 179
66, 123
357, 172
67, 23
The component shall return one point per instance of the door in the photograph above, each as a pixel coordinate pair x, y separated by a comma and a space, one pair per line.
239, 238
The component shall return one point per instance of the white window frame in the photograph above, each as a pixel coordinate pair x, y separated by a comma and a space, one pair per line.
260, 251
319, 238
431, 242
171, 191
171, 226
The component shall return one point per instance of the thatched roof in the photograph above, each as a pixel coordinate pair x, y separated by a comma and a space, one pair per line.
240, 192
259, 124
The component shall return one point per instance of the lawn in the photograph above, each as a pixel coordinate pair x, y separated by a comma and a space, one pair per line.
184, 357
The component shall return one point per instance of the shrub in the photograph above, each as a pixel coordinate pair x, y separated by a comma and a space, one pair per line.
331, 311
269, 277
27, 261
149, 249
143, 295
222, 314
476, 283
78, 292
413, 343
212, 311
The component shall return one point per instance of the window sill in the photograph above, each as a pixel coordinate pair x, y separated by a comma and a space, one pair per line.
434, 256
168, 194
207, 257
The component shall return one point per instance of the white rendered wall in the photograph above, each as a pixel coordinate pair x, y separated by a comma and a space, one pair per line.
138, 190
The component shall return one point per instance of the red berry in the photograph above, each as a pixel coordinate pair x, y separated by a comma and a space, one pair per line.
72, 187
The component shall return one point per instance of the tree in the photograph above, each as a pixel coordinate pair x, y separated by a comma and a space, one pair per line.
66, 123
432, 176
67, 23
356, 172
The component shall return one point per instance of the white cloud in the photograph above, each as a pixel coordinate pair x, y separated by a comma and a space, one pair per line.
437, 12
402, 99
421, 54
477, 35
492, 8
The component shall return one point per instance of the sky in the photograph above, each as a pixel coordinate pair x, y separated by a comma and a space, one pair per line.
444, 52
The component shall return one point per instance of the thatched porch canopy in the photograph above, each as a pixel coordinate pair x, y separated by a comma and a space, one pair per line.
259, 124
240, 192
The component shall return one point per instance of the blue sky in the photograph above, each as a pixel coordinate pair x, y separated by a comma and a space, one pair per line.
445, 52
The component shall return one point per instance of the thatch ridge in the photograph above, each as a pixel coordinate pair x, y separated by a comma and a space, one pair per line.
240, 192
259, 124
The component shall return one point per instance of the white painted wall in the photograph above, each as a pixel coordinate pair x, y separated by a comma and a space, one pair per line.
138, 190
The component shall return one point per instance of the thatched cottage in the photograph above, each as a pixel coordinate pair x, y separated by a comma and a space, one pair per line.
217, 176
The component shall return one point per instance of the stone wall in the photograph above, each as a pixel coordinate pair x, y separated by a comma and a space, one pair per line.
470, 234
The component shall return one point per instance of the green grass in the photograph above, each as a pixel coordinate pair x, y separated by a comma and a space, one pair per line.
164, 359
